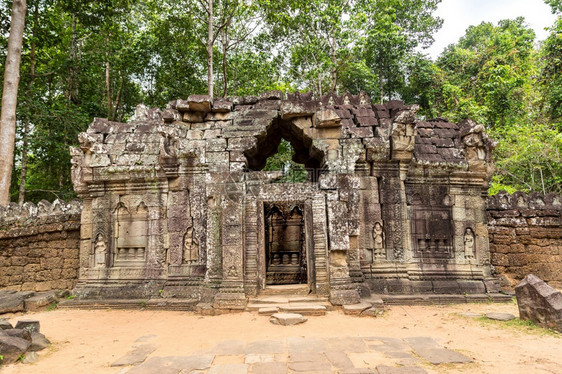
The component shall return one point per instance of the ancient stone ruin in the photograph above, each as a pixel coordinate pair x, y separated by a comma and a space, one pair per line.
540, 303
176, 203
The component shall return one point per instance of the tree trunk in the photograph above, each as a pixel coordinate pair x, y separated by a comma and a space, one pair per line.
334, 65
210, 39
10, 99
32, 58
225, 42
108, 90
381, 84
71, 95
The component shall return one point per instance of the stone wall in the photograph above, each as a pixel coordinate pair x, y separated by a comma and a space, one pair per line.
39, 245
526, 236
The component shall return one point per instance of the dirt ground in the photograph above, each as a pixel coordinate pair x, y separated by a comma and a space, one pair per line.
89, 341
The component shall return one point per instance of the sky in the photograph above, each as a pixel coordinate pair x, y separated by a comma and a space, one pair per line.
459, 14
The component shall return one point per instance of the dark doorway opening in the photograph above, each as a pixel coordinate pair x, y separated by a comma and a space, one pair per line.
285, 249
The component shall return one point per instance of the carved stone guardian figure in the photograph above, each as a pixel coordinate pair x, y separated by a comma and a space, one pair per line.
378, 240
468, 243
100, 252
190, 247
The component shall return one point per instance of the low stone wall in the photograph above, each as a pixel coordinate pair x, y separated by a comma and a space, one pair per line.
39, 245
526, 236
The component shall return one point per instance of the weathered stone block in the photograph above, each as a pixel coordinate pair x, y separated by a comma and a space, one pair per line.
200, 103
539, 302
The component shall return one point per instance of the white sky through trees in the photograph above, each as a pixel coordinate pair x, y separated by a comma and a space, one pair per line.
459, 14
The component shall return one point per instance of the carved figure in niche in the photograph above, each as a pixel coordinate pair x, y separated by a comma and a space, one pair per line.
346, 100
378, 236
363, 98
100, 252
190, 247
402, 137
76, 161
232, 272
168, 145
468, 243
474, 144
331, 101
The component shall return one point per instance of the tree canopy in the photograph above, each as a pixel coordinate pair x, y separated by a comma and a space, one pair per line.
85, 59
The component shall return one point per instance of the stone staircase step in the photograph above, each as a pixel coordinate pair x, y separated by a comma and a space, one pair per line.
160, 303
287, 299
268, 311
305, 310
253, 307
286, 289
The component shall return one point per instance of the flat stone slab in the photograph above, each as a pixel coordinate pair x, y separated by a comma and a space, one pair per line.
311, 355
173, 364
266, 347
287, 319
471, 315
268, 368
439, 356
136, 356
384, 369
356, 309
500, 316
229, 369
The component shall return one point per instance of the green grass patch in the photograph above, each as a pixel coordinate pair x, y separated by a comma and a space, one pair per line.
52, 306
520, 325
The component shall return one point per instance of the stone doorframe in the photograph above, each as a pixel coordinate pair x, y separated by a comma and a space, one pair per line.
316, 245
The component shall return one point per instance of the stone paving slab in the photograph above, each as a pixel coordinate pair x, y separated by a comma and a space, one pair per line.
268, 368
229, 369
136, 356
342, 355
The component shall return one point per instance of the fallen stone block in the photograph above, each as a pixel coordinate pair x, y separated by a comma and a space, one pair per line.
30, 358
39, 300
287, 319
19, 333
11, 348
30, 325
540, 303
4, 324
38, 342
12, 303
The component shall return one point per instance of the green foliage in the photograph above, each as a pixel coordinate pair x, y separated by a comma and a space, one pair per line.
556, 5
529, 157
283, 161
551, 72
101, 58
487, 74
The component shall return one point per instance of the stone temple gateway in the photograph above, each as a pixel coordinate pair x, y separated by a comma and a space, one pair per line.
176, 202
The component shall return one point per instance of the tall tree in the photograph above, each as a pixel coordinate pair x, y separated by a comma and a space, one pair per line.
488, 73
394, 29
550, 77
9, 98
